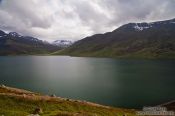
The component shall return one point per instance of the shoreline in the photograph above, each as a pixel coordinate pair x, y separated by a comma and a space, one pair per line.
28, 98
52, 105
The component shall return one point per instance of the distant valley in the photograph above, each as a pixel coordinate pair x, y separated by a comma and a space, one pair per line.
62, 43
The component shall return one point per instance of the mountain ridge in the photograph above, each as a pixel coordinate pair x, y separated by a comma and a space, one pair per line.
132, 40
13, 43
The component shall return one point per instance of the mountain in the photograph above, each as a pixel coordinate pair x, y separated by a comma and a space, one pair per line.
62, 43
13, 44
133, 40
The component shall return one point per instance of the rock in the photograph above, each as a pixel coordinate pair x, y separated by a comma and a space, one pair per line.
24, 95
53, 95
38, 111
33, 115
32, 94
3, 86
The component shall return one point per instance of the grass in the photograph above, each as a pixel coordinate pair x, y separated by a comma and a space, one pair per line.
113, 53
15, 104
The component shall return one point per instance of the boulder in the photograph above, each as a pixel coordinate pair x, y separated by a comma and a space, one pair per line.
38, 111
53, 95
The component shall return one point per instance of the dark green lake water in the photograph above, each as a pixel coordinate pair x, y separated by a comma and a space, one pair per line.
114, 82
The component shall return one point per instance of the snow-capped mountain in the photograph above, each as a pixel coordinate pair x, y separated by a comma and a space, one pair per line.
143, 40
140, 27
62, 43
14, 34
144, 26
14, 43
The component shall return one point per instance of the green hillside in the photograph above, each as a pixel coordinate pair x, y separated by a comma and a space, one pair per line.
133, 40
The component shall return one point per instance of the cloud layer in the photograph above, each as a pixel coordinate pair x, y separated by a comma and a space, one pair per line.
75, 19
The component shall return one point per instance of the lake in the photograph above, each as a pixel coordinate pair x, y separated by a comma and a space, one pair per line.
115, 82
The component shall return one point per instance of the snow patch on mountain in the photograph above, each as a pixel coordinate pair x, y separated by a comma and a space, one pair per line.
140, 27
14, 34
143, 26
62, 43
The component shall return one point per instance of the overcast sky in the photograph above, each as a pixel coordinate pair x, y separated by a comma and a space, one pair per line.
76, 19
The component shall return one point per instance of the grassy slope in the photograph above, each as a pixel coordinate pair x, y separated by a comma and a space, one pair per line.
16, 102
12, 46
126, 42
111, 54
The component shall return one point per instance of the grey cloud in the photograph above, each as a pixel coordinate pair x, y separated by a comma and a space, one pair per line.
141, 10
26, 11
75, 19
